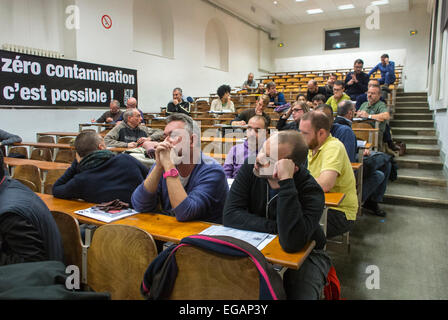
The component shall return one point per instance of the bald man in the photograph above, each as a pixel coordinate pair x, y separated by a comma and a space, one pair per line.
313, 90
250, 83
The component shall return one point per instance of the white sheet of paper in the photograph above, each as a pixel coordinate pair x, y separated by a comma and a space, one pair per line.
257, 239
361, 143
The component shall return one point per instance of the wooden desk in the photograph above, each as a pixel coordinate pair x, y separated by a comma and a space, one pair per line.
45, 145
42, 165
97, 125
167, 228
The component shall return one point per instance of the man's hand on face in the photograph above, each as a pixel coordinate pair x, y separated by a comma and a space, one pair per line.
285, 169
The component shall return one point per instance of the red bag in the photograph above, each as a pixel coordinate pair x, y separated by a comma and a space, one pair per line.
332, 290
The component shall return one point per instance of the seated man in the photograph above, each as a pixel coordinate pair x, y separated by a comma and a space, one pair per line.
28, 231
329, 164
278, 195
98, 175
261, 89
318, 99
375, 109
243, 118
178, 104
130, 133
387, 69
356, 81
131, 104
275, 98
224, 102
329, 86
184, 182
256, 135
376, 169
297, 110
338, 96
112, 115
363, 97
314, 89
345, 134
7, 139
250, 83
345, 114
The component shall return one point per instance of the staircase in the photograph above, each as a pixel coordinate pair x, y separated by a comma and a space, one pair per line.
421, 180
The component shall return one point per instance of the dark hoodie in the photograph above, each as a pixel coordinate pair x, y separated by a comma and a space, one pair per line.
293, 213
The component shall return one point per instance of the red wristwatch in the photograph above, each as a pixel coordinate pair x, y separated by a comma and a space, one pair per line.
171, 173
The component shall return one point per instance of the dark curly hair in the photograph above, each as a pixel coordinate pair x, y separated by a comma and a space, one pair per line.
222, 90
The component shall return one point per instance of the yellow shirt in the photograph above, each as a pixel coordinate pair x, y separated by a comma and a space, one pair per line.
332, 156
334, 103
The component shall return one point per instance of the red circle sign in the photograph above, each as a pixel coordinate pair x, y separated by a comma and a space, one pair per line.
106, 21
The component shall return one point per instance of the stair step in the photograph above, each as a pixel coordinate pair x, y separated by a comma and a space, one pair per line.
407, 94
426, 140
412, 116
422, 177
423, 105
401, 109
424, 196
413, 131
411, 98
418, 149
419, 162
407, 123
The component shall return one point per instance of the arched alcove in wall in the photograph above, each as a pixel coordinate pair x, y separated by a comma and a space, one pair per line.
153, 28
216, 45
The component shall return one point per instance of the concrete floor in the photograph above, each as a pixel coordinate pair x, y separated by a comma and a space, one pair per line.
410, 249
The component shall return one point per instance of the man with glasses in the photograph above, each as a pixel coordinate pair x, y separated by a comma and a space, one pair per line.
297, 110
256, 135
356, 82
338, 96
278, 195
183, 182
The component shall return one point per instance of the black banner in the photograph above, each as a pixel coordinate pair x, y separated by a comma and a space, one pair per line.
28, 80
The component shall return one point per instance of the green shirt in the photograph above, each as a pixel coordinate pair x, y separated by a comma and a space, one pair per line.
377, 108
334, 103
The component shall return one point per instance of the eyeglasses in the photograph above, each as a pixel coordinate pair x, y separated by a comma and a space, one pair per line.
297, 110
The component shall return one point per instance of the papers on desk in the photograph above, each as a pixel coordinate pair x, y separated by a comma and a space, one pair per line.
257, 239
159, 118
105, 216
220, 112
361, 143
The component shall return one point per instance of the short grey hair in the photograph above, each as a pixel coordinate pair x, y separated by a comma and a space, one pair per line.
177, 89
128, 113
116, 102
344, 107
190, 125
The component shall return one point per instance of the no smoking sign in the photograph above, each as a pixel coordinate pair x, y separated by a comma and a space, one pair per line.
106, 21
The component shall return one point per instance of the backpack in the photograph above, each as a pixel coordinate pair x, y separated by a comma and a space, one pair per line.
332, 290
160, 277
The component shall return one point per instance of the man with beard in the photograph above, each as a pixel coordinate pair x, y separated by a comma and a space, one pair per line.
356, 82
329, 164
183, 181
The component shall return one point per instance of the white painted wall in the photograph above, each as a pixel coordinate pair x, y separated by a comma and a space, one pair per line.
157, 75
304, 45
438, 90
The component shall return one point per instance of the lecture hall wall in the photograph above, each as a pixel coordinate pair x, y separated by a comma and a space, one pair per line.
192, 45
188, 44
304, 45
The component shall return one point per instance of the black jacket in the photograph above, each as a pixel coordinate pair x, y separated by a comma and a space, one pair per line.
182, 107
116, 178
282, 124
28, 231
293, 214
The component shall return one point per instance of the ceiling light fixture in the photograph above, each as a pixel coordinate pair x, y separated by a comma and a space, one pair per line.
314, 11
346, 7
379, 2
